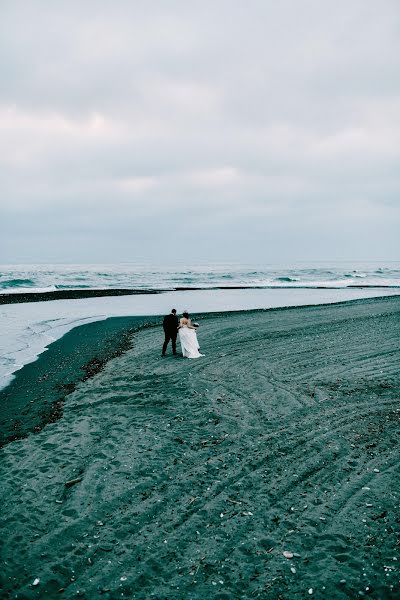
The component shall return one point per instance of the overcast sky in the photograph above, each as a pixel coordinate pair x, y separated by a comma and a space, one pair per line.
238, 130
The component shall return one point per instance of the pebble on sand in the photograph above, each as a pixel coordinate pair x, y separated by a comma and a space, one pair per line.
72, 482
287, 554
36, 581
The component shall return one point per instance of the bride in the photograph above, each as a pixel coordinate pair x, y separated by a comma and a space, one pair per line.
188, 338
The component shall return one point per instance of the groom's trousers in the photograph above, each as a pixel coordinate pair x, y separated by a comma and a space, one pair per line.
170, 335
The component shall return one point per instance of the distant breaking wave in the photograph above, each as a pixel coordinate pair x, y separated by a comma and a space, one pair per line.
16, 283
286, 279
355, 275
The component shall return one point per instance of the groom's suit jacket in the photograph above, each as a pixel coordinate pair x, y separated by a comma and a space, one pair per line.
170, 324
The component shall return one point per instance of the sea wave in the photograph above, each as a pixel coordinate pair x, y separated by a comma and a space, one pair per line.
288, 279
15, 283
33, 278
82, 286
29, 290
356, 274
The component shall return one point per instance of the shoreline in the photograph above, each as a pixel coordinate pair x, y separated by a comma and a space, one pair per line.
27, 327
79, 294
73, 294
36, 395
269, 467
81, 347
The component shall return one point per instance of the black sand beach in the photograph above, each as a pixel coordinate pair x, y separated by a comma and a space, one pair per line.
270, 468
36, 395
22, 297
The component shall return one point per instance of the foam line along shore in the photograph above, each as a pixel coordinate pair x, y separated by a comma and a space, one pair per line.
28, 328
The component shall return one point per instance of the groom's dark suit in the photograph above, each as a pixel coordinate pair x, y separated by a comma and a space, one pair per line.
170, 325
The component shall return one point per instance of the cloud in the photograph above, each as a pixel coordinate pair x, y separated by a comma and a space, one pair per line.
254, 121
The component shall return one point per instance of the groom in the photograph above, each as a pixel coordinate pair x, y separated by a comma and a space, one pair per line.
170, 325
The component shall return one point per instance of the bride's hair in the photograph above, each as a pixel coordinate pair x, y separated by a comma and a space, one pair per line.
185, 314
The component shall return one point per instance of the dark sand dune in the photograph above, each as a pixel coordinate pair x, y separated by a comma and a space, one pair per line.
194, 477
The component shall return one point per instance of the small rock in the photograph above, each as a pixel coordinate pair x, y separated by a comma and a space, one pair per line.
342, 581
310, 591
376, 471
72, 482
287, 554
36, 581
293, 569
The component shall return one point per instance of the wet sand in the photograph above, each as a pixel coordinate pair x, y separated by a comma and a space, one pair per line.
22, 297
37, 395
190, 479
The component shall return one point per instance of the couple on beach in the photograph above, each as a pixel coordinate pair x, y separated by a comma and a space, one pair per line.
187, 334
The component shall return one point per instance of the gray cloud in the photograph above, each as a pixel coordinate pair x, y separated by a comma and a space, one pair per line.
272, 130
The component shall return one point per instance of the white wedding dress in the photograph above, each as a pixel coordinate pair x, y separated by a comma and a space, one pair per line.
189, 344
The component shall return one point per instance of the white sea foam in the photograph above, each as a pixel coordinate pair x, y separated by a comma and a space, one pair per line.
29, 290
28, 328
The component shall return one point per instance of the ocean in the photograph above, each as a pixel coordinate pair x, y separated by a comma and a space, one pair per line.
49, 277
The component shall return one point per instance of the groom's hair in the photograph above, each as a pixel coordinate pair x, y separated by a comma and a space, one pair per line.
173, 311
